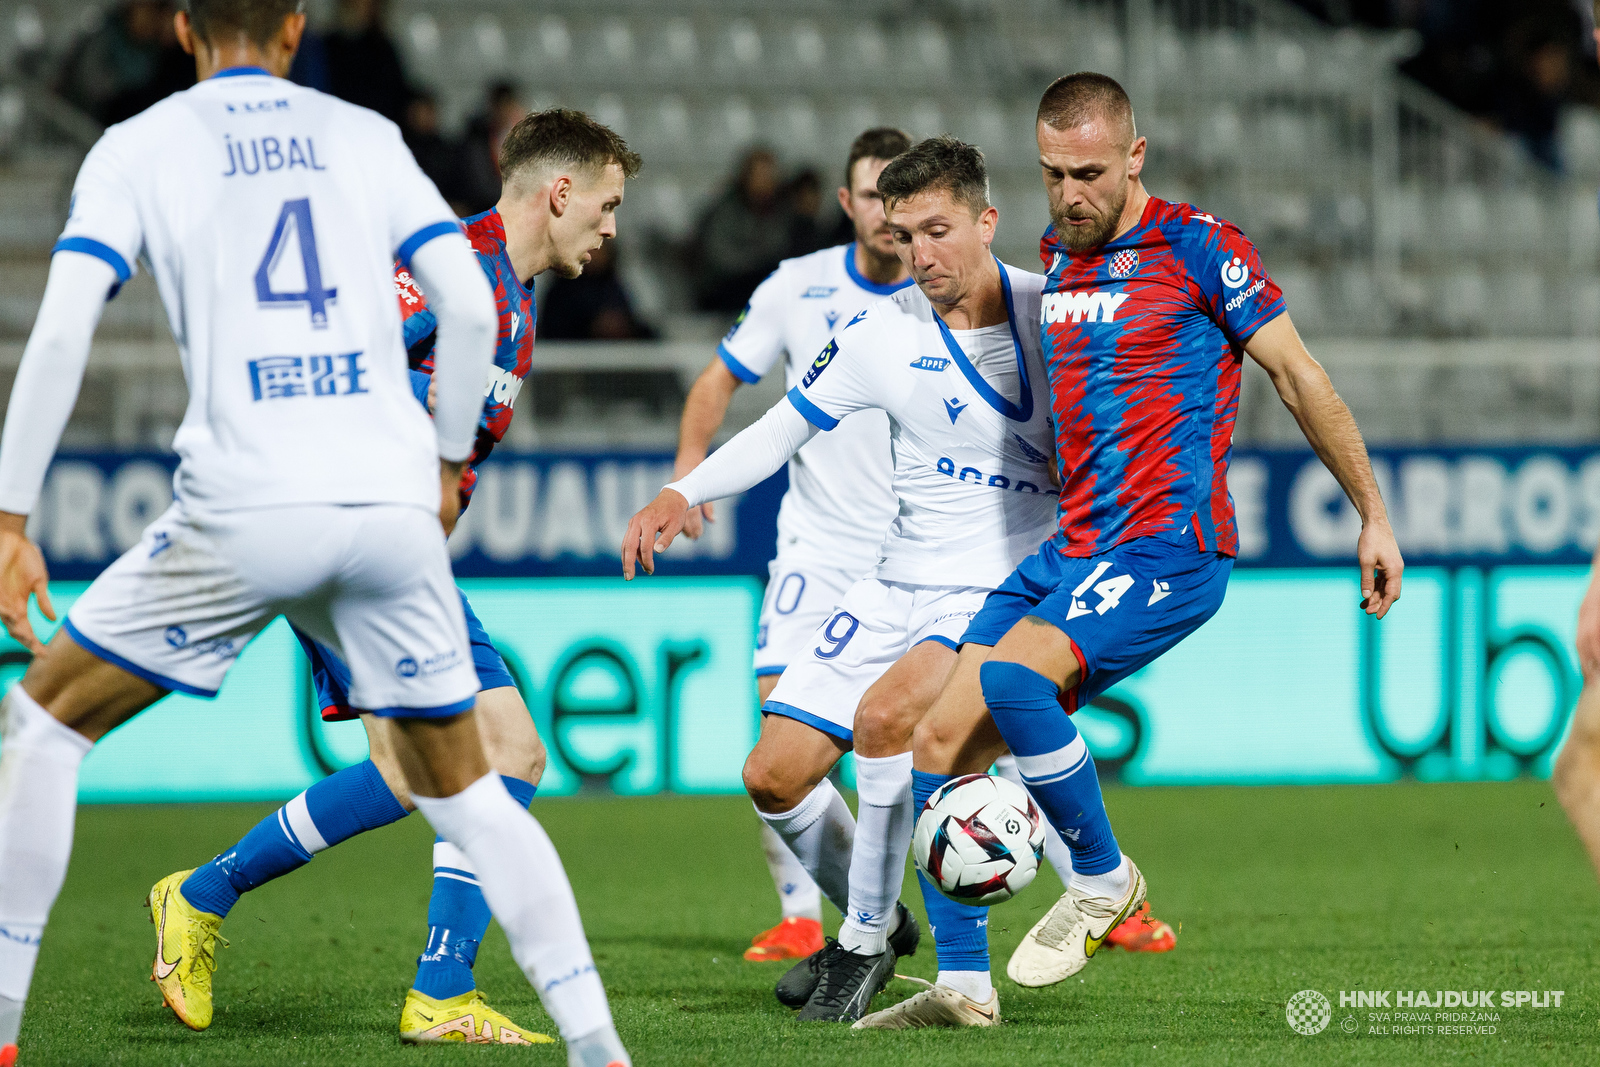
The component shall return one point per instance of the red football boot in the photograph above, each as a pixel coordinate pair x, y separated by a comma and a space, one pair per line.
792, 939
1142, 932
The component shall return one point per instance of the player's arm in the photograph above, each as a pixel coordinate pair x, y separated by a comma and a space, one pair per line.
703, 412
1304, 387
46, 388
463, 305
754, 455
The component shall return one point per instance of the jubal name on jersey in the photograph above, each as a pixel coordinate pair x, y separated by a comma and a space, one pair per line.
268, 154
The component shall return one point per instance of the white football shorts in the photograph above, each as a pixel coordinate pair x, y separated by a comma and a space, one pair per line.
801, 595
875, 624
372, 582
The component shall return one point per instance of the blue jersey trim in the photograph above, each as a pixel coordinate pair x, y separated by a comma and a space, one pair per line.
985, 390
737, 369
438, 711
104, 252
457, 872
939, 639
863, 281
789, 711
814, 415
764, 672
409, 246
240, 72
132, 668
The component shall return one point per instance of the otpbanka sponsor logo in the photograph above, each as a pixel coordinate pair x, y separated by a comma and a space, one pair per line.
1442, 1013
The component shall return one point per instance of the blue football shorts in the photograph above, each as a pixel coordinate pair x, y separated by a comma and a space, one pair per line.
1122, 609
331, 677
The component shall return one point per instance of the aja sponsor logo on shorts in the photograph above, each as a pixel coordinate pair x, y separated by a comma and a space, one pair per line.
820, 364
1081, 307
408, 667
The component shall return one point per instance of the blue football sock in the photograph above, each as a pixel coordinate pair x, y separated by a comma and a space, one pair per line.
340, 806
458, 916
1053, 760
960, 931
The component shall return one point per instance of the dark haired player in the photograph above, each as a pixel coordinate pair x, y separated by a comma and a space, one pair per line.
564, 176
1148, 310
839, 501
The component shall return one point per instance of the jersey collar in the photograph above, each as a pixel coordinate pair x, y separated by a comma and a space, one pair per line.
240, 72
1014, 412
862, 280
496, 226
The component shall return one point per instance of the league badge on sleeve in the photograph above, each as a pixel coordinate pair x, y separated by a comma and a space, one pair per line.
820, 364
1125, 263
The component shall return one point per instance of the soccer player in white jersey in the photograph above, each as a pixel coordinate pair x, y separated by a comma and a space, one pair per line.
955, 364
840, 501
311, 484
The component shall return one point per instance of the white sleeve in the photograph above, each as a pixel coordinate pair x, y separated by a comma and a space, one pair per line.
461, 301
754, 344
104, 218
50, 374
417, 212
843, 378
754, 455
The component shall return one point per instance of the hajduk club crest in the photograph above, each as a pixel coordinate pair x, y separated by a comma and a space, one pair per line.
1124, 263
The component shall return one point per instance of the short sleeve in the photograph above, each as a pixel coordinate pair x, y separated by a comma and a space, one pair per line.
1239, 296
417, 213
104, 218
754, 344
839, 381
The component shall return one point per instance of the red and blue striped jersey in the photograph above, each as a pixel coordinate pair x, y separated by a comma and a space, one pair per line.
513, 351
1144, 340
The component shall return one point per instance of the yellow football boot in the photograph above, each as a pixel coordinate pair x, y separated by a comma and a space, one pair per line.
186, 939
468, 1017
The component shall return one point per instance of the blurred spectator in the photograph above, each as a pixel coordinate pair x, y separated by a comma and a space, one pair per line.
438, 157
742, 236
130, 60
808, 228
478, 174
310, 67
593, 306
1540, 52
363, 63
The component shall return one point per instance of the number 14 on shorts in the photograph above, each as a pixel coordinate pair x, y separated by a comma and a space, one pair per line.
1110, 591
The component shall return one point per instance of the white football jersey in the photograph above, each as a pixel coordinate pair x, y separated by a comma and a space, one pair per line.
970, 430
271, 216
840, 499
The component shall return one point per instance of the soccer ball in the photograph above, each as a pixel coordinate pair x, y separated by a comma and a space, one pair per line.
979, 839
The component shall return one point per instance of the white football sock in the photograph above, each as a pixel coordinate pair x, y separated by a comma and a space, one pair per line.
1113, 883
797, 893
39, 760
974, 984
819, 831
527, 890
1055, 849
878, 860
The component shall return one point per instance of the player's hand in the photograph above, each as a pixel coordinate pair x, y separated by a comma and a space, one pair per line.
1381, 567
22, 572
1589, 631
694, 521
652, 530
450, 494
433, 396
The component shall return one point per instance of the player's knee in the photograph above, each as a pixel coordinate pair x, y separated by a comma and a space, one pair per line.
885, 719
770, 788
537, 759
933, 740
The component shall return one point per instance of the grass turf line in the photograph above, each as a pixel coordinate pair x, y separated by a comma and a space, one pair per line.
1277, 890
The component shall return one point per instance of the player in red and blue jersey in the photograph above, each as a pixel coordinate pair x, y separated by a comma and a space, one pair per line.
563, 181
1148, 310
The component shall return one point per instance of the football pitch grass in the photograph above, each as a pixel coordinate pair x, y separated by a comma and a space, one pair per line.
1436, 887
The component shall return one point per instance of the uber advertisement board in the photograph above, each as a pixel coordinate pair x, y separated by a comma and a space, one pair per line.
646, 687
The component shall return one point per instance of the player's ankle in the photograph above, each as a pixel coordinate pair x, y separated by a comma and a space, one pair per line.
603, 1048
1112, 884
975, 985
862, 941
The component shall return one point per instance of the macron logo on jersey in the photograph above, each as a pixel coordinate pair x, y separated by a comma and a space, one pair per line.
1080, 307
